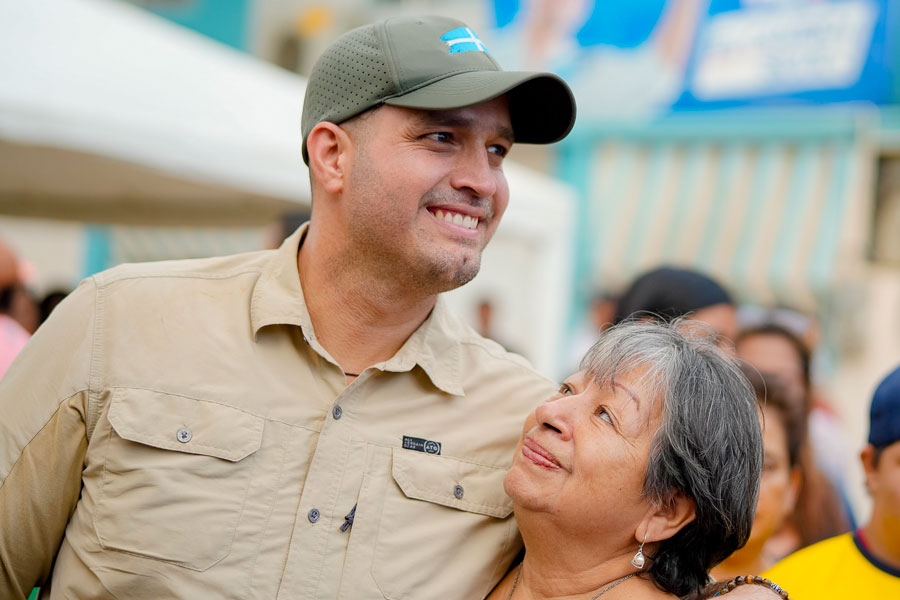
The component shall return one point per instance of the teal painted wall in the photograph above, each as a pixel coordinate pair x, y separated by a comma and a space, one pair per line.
222, 20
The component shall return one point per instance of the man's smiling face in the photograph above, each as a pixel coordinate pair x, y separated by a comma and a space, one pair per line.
426, 190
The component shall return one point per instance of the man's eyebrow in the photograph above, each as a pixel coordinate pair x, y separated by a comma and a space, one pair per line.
506, 133
438, 119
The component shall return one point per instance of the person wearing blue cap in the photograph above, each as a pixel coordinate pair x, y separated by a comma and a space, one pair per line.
864, 563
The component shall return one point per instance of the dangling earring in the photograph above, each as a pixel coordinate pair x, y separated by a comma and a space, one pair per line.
638, 560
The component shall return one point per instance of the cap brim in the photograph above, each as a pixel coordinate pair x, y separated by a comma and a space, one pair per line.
541, 105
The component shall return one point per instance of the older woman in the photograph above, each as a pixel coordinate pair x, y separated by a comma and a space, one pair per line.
640, 474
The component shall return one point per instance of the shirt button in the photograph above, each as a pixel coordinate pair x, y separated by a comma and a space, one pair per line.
458, 491
184, 435
313, 515
336, 412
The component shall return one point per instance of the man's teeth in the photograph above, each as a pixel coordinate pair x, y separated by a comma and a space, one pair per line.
456, 219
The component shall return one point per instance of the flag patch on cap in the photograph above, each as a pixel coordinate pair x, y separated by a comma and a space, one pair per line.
463, 39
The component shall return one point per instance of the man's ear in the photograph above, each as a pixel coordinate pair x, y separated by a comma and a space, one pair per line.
329, 148
870, 469
661, 523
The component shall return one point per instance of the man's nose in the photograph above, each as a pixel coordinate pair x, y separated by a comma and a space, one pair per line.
475, 174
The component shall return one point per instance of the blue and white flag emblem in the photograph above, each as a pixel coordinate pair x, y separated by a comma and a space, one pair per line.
463, 39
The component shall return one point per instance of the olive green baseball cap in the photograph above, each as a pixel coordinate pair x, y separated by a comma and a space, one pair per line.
430, 63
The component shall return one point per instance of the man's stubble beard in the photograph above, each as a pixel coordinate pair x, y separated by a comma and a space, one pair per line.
372, 241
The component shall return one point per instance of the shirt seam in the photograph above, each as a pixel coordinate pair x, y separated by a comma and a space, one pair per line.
186, 275
482, 508
511, 360
265, 526
504, 356
337, 498
93, 410
495, 574
290, 424
37, 433
486, 348
442, 457
195, 398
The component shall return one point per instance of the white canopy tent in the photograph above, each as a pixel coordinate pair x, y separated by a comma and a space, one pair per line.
109, 113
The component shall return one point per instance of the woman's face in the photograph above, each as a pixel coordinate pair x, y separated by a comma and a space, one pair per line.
583, 456
779, 483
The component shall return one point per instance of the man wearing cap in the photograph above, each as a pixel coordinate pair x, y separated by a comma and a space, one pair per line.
864, 563
309, 422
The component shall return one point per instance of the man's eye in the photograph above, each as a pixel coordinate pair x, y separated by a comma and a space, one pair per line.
499, 149
564, 389
440, 136
602, 413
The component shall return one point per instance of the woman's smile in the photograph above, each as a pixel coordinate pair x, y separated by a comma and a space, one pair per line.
539, 455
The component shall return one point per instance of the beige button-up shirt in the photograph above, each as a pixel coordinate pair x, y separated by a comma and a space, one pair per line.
175, 430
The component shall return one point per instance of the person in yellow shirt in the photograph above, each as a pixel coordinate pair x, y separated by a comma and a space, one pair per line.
864, 563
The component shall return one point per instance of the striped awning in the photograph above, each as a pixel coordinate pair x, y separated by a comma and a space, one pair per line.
776, 209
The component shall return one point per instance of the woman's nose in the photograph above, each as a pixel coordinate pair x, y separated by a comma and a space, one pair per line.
557, 416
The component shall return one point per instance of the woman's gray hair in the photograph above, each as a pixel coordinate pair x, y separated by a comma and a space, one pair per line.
708, 447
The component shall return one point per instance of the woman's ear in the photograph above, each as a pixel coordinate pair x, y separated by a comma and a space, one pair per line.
329, 148
662, 522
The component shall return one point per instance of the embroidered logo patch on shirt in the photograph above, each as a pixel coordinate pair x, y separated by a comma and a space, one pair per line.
421, 445
463, 39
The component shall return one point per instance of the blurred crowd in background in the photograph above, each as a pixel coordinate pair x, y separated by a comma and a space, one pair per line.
734, 161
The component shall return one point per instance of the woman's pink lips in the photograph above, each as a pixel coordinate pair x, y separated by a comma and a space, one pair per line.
538, 454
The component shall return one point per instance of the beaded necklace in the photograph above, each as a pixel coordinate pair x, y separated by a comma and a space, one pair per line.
751, 580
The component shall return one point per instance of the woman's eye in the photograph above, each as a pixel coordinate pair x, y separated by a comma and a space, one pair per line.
602, 413
564, 389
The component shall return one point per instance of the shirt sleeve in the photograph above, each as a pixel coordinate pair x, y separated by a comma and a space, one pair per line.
44, 403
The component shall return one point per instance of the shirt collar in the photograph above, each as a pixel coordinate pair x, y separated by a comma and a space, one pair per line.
434, 346
278, 297
862, 545
278, 300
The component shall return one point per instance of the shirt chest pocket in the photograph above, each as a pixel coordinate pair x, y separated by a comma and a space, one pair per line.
175, 478
445, 528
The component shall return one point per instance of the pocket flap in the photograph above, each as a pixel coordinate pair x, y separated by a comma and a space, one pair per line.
184, 424
442, 480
